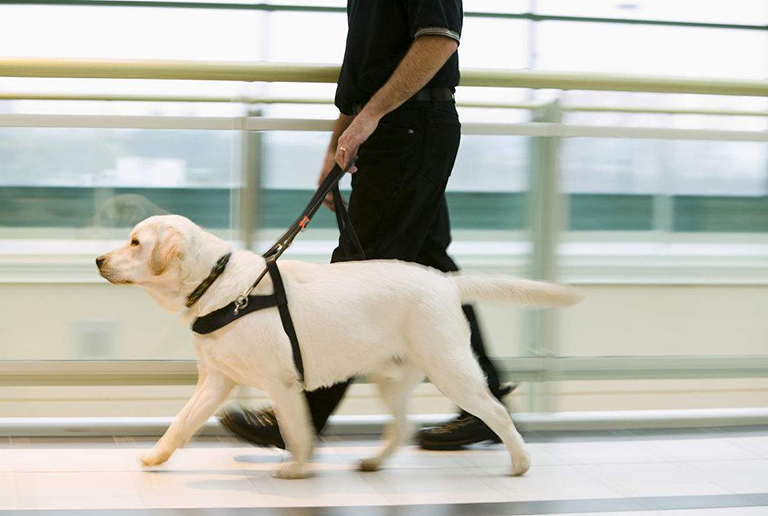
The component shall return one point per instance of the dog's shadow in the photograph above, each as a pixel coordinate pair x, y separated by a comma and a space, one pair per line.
241, 481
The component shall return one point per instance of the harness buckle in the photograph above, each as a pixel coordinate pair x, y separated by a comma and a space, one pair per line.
240, 303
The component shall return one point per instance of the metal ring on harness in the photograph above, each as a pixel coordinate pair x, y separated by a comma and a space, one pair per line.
240, 303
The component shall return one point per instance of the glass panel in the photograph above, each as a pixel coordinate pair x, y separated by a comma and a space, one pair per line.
492, 43
497, 6
713, 186
66, 183
487, 190
610, 183
131, 33
642, 49
307, 37
749, 12
72, 194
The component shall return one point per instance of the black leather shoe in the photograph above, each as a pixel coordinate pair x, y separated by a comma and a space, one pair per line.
464, 430
256, 427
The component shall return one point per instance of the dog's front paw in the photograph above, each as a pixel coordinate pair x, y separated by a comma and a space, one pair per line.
291, 470
154, 457
520, 464
370, 464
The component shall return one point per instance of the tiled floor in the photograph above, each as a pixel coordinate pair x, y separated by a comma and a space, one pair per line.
628, 473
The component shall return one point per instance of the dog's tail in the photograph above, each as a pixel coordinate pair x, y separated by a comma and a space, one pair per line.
519, 291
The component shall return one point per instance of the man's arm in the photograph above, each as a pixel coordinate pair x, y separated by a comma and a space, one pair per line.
424, 59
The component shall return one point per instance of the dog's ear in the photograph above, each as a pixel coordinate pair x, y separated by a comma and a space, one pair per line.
168, 246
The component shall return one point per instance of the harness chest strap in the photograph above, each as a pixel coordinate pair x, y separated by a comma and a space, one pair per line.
219, 318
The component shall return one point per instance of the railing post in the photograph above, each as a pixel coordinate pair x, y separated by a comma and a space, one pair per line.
250, 183
546, 212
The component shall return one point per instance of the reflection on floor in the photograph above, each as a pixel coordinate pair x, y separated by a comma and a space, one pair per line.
713, 472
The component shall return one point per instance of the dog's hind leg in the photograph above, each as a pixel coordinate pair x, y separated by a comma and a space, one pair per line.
461, 380
440, 345
394, 389
292, 413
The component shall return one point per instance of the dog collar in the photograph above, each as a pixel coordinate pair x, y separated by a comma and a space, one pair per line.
207, 282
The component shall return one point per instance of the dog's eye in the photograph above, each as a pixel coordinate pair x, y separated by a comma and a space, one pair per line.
134, 242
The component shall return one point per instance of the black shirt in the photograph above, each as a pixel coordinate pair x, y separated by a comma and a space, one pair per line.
380, 33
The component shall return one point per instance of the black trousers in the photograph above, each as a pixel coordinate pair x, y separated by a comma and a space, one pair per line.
399, 211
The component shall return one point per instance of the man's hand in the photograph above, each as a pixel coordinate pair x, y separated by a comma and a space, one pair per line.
339, 127
330, 161
354, 136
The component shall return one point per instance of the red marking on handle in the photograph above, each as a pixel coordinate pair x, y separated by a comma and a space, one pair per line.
304, 222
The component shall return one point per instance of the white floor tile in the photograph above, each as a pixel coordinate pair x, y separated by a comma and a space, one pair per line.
212, 500
57, 474
632, 480
190, 483
71, 460
326, 488
186, 459
683, 450
7, 486
561, 482
404, 486
596, 452
8, 461
412, 457
499, 457
73, 484
8, 503
80, 502
741, 476
757, 445
59, 443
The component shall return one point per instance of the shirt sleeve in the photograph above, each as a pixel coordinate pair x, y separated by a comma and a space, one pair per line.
435, 17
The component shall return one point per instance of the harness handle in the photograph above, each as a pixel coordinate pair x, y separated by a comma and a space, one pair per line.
330, 183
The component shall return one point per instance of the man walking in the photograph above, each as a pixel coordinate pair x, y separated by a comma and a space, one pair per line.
397, 112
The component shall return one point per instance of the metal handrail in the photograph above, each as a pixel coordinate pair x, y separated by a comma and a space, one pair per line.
530, 368
547, 129
246, 99
296, 72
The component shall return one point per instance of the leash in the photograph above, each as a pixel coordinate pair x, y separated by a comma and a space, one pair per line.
247, 303
329, 184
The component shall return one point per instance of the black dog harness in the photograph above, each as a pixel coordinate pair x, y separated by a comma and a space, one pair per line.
247, 303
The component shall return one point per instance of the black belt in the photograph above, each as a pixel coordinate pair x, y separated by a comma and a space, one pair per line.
246, 303
423, 95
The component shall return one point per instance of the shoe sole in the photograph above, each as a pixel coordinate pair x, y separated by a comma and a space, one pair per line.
233, 428
432, 446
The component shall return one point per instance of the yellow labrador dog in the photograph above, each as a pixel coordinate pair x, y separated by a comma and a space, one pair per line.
388, 320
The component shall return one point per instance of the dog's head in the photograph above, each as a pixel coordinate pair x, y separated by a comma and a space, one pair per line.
167, 255
154, 252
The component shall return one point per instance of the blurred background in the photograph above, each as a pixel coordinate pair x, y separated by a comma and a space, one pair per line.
654, 202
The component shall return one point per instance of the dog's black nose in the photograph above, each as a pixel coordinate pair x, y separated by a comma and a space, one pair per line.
100, 261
